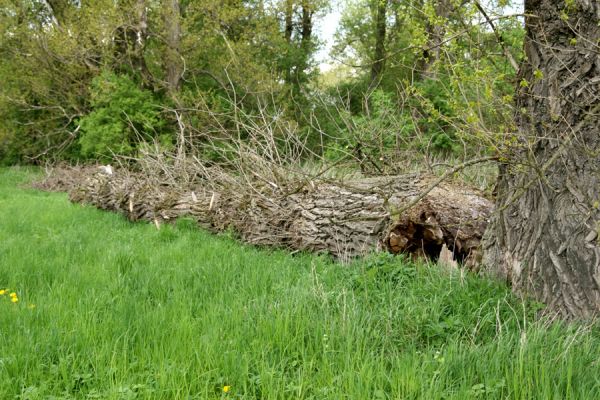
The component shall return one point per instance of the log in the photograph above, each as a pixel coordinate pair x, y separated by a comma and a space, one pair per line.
344, 219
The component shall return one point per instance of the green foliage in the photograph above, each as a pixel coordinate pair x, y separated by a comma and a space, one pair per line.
51, 67
12, 145
46, 73
383, 128
265, 323
431, 99
122, 116
385, 131
463, 104
82, 84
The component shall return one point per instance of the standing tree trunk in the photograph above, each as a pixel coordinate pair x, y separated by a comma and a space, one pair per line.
289, 30
172, 15
544, 237
139, 62
130, 43
57, 10
378, 63
307, 23
306, 43
435, 28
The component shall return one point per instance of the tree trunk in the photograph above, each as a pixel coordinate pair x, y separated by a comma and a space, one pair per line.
306, 43
289, 20
57, 10
307, 23
289, 30
435, 29
139, 61
544, 238
378, 63
130, 43
345, 220
172, 15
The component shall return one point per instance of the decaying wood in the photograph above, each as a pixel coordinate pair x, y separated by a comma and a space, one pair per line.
345, 219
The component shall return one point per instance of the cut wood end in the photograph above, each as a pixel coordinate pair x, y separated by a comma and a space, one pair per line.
212, 201
446, 259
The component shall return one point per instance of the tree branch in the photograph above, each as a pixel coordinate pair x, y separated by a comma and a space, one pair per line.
499, 38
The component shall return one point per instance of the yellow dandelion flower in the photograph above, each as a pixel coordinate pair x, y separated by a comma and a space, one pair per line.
226, 389
13, 294
2, 292
14, 299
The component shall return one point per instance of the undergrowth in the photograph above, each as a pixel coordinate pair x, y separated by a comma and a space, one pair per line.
108, 309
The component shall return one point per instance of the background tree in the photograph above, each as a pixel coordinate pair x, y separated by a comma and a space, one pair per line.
48, 63
173, 63
445, 76
436, 15
186, 55
300, 43
194, 58
379, 53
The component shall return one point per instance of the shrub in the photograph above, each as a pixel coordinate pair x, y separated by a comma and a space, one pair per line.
122, 116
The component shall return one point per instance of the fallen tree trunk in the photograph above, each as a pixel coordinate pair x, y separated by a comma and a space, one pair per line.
345, 219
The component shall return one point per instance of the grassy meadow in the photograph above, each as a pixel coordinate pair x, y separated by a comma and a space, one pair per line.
107, 309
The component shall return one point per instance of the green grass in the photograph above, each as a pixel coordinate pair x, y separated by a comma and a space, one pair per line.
123, 311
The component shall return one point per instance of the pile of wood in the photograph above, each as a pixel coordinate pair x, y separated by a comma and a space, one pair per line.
345, 219
64, 178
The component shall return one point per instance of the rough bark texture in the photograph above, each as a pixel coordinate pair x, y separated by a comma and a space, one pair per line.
544, 238
345, 220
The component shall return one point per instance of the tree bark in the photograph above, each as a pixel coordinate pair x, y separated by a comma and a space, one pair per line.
378, 63
172, 15
289, 20
544, 238
139, 62
343, 219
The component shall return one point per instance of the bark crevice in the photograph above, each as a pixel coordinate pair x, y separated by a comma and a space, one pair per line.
549, 187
